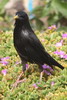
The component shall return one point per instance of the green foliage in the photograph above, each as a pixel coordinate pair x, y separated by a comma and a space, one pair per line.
53, 10
60, 6
26, 90
2, 4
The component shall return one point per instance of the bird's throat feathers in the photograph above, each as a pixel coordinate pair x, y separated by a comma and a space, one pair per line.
22, 26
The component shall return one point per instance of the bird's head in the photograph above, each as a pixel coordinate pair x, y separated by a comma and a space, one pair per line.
21, 17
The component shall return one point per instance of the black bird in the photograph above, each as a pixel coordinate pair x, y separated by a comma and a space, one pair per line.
28, 45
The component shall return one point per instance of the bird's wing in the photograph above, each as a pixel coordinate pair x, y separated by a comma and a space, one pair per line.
31, 49
34, 49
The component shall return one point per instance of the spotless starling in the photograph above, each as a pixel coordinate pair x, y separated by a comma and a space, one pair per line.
27, 44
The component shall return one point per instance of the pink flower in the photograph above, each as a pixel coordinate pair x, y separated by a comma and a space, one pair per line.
61, 53
59, 44
52, 83
5, 58
18, 62
52, 27
47, 67
65, 56
35, 86
4, 72
27, 66
4, 63
46, 72
42, 40
64, 35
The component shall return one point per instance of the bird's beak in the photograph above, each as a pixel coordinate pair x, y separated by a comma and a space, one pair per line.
16, 17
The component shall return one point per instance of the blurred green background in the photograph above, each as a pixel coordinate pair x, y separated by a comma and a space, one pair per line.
48, 12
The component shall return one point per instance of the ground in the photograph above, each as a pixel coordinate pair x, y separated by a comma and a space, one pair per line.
52, 87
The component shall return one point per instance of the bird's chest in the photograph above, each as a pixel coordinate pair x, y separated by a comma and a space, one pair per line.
20, 39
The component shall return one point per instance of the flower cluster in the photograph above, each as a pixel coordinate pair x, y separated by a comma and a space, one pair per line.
64, 35
52, 27
59, 44
62, 54
4, 61
45, 68
4, 72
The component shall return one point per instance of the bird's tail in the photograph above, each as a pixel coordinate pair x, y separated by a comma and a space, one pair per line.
59, 65
54, 62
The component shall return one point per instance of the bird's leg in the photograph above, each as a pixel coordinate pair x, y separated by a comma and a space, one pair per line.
42, 72
41, 75
21, 74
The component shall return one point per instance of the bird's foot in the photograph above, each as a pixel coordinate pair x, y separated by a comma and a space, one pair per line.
18, 80
46, 72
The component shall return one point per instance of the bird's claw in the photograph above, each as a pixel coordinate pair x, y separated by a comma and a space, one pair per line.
17, 82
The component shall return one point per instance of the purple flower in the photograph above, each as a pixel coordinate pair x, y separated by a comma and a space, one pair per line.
35, 86
27, 66
46, 72
5, 58
18, 62
59, 53
47, 67
4, 72
56, 52
52, 83
65, 56
64, 35
59, 44
42, 40
4, 62
52, 27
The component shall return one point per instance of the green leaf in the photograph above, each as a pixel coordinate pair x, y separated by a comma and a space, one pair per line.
46, 11
37, 11
2, 4
60, 6
39, 24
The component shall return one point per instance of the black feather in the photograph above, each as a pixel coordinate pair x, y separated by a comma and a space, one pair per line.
28, 45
